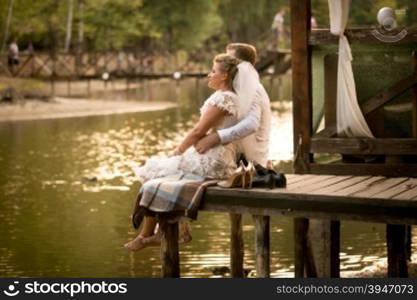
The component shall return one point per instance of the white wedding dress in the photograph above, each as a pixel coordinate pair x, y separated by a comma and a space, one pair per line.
218, 162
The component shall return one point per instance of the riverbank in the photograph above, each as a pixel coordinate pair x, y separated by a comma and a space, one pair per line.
68, 107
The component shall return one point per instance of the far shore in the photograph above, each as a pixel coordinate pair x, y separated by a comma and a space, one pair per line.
68, 107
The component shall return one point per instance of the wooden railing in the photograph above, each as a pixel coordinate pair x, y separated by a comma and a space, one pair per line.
93, 65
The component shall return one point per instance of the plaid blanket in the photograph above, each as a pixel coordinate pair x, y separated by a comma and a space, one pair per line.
172, 196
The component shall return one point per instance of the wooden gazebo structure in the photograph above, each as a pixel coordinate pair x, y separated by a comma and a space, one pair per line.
307, 143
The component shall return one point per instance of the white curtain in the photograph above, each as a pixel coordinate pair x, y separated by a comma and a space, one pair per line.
350, 120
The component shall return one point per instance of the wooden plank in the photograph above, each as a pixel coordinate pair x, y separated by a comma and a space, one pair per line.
236, 246
262, 246
360, 186
388, 94
397, 189
310, 181
396, 251
393, 217
293, 178
410, 194
380, 186
359, 35
364, 146
340, 185
301, 78
169, 250
278, 202
392, 170
327, 132
321, 184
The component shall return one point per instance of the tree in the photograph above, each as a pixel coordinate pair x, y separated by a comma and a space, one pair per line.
81, 25
69, 25
179, 24
7, 25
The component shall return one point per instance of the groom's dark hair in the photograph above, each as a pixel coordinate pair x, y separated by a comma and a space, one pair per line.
243, 51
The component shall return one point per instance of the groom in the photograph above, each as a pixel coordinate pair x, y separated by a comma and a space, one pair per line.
252, 131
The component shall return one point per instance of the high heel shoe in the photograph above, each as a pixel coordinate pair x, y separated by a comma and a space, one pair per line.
237, 179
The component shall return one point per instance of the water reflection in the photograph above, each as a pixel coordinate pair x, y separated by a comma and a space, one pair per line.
67, 189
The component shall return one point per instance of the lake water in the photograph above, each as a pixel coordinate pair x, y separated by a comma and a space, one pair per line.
67, 191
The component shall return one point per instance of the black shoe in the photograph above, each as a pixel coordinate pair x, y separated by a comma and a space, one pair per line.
268, 178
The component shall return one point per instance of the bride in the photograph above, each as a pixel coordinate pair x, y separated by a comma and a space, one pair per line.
219, 111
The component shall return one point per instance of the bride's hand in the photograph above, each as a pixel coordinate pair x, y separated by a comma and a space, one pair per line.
175, 152
207, 142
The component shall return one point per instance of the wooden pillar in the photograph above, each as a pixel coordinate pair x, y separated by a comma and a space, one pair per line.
53, 54
397, 250
69, 87
301, 82
127, 84
236, 246
414, 100
330, 90
169, 250
324, 245
32, 64
302, 114
262, 248
88, 87
300, 247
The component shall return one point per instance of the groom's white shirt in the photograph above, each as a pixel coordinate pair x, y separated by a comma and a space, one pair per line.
252, 132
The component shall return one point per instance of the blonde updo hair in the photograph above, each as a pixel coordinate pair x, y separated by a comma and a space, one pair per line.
228, 64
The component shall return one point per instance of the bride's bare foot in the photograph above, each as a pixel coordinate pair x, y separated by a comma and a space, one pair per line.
136, 244
141, 242
186, 238
153, 240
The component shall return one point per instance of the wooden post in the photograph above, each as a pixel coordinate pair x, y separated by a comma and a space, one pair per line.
53, 75
69, 87
301, 81
302, 114
32, 64
300, 246
397, 250
324, 244
88, 88
169, 250
414, 100
236, 249
262, 248
330, 90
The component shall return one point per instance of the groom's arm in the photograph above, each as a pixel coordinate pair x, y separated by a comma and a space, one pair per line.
245, 127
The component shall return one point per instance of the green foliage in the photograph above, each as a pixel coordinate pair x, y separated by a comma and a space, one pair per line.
113, 24
156, 25
247, 20
182, 24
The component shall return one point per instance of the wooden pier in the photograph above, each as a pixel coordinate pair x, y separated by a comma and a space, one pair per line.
329, 198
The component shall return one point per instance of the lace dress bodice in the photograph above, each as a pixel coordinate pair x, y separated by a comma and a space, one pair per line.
226, 101
218, 162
